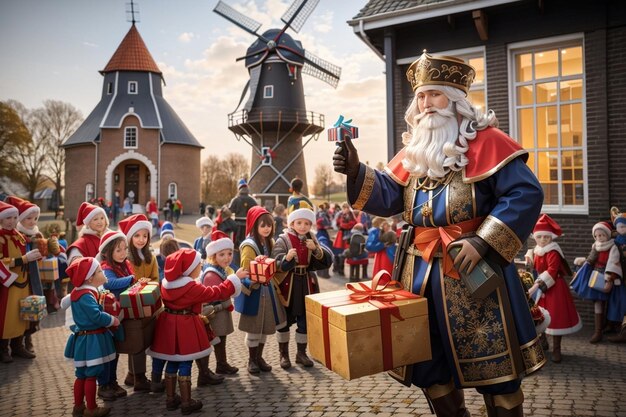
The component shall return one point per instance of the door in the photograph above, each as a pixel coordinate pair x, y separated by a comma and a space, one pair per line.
131, 183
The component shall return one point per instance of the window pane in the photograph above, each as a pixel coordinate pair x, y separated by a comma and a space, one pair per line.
547, 135
548, 176
526, 129
523, 67
571, 125
572, 60
546, 64
571, 168
546, 93
477, 97
571, 90
525, 95
531, 161
479, 66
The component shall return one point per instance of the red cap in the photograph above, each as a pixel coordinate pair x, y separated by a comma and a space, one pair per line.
81, 269
181, 263
547, 225
7, 210
86, 213
253, 215
131, 225
25, 208
219, 242
109, 237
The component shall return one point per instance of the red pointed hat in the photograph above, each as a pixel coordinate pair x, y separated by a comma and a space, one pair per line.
81, 269
181, 263
604, 226
86, 213
547, 225
253, 215
131, 225
109, 237
24, 207
219, 242
7, 210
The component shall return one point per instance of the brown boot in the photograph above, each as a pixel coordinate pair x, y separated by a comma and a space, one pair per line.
187, 404
285, 362
97, 412
157, 385
301, 356
107, 392
172, 400
28, 342
263, 366
129, 381
205, 375
508, 405
119, 391
5, 356
597, 334
253, 366
621, 336
556, 349
78, 410
18, 349
223, 367
447, 401
142, 384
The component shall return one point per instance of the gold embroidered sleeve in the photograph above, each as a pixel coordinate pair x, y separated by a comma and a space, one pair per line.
500, 237
366, 189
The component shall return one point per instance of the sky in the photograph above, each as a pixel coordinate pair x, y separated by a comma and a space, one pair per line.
53, 49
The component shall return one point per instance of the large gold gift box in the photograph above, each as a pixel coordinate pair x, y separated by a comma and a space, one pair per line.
358, 338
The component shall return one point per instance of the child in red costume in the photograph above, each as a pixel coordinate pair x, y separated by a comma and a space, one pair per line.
180, 335
555, 296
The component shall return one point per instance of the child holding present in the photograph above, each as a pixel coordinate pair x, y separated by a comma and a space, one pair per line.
138, 230
551, 268
91, 344
297, 252
261, 311
180, 334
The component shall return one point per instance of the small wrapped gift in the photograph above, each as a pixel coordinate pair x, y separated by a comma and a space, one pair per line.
364, 330
33, 308
7, 277
262, 269
341, 129
141, 300
110, 303
48, 269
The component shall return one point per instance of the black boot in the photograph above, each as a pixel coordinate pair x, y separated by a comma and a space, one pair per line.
508, 405
18, 349
364, 274
253, 365
5, 356
449, 404
285, 362
263, 366
223, 367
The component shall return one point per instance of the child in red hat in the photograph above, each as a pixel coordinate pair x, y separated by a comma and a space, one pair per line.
91, 344
551, 267
180, 335
95, 223
601, 267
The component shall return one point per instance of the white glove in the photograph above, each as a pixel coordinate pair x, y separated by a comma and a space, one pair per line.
33, 255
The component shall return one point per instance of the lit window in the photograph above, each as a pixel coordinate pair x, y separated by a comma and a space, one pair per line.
268, 91
90, 193
130, 137
132, 87
548, 120
172, 190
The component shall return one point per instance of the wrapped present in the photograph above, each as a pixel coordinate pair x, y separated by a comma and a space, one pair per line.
140, 300
364, 330
341, 129
138, 334
262, 269
48, 269
33, 308
110, 303
7, 277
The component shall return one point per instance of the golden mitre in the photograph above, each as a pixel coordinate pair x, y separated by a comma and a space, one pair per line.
440, 70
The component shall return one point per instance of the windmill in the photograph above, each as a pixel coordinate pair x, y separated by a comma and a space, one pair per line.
274, 120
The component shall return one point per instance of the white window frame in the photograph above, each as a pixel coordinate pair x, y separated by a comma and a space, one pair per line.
577, 39
267, 156
126, 133
90, 191
268, 91
172, 190
130, 84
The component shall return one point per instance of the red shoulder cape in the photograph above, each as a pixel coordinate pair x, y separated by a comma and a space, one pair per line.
496, 149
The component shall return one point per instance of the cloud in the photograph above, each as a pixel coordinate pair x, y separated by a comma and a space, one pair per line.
186, 37
323, 23
89, 44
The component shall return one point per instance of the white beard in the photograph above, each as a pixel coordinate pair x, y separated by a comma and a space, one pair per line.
433, 150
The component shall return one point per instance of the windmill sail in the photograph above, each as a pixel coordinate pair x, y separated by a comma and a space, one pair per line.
239, 19
255, 74
319, 68
302, 13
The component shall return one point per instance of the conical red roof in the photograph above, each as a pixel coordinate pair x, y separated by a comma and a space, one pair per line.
132, 55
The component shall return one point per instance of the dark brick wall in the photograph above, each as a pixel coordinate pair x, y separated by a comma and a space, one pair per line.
616, 106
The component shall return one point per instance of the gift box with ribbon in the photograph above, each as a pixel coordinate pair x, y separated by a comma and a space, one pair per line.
110, 303
141, 300
48, 269
341, 129
262, 269
33, 308
368, 329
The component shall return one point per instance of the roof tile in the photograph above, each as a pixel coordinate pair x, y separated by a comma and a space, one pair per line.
132, 55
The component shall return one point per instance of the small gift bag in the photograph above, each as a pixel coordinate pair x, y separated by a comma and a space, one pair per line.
262, 269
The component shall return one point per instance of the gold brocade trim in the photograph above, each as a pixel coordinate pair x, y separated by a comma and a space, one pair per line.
533, 355
500, 237
460, 204
439, 390
409, 199
366, 189
469, 180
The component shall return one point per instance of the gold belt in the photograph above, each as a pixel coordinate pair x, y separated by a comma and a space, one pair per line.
300, 269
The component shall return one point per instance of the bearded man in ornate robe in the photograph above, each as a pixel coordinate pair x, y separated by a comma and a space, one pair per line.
459, 181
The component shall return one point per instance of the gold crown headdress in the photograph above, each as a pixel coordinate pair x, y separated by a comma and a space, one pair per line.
440, 70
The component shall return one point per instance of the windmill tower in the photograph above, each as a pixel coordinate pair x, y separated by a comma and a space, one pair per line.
274, 120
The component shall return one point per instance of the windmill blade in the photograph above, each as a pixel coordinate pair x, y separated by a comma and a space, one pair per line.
298, 13
319, 68
238, 19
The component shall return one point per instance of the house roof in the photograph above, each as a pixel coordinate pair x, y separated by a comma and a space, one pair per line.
132, 55
376, 7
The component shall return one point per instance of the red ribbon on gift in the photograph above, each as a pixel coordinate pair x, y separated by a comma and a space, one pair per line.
380, 296
135, 298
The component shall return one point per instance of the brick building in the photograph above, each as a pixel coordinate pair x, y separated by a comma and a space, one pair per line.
132, 141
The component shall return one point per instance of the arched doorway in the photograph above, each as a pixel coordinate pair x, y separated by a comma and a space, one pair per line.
135, 176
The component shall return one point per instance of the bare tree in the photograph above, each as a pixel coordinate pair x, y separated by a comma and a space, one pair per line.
323, 181
209, 176
219, 177
60, 120
235, 167
13, 133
